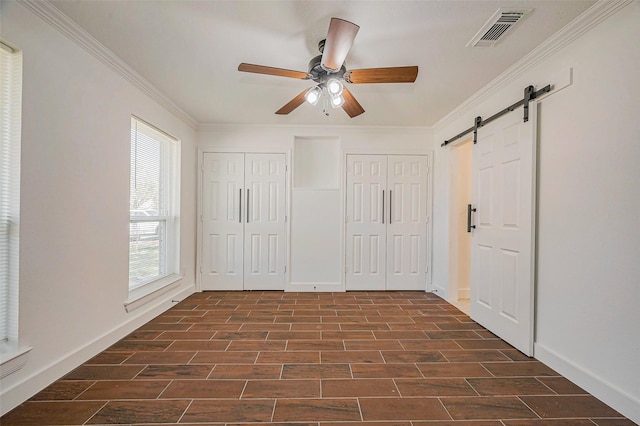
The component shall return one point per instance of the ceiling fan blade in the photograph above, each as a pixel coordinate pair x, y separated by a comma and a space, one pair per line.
382, 75
351, 106
339, 40
293, 103
279, 72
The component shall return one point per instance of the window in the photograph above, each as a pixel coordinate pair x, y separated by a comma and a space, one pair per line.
154, 204
11, 107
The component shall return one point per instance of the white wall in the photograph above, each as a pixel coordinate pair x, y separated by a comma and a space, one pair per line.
74, 203
588, 269
316, 250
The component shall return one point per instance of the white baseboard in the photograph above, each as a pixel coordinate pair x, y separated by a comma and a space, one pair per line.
439, 290
315, 287
621, 401
40, 379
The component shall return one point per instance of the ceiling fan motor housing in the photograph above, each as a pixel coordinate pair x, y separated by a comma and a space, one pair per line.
319, 74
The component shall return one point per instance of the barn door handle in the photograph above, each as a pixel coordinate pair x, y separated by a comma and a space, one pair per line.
247, 206
240, 207
383, 206
390, 207
469, 211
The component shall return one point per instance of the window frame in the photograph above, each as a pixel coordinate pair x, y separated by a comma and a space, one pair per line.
167, 216
13, 356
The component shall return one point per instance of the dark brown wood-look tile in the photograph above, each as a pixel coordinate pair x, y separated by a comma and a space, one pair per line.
160, 358
147, 411
282, 389
198, 345
144, 335
453, 369
186, 335
265, 327
140, 345
434, 387
109, 358
455, 335
175, 372
554, 422
375, 345
382, 371
475, 356
400, 335
315, 327
332, 388
516, 355
402, 409
515, 369
315, 345
460, 423
450, 326
569, 406
365, 327
509, 386
230, 371
362, 357
198, 389
367, 424
482, 408
226, 411
316, 410
241, 335
562, 386
37, 413
316, 371
104, 372
294, 335
409, 357
124, 389
257, 345
348, 335
289, 357
429, 345
62, 390
224, 358
484, 344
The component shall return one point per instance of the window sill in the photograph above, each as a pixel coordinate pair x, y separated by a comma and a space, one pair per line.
148, 292
12, 359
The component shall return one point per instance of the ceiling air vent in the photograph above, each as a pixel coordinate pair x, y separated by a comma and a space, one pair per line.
497, 26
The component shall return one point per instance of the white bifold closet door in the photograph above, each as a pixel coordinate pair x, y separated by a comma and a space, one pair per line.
244, 221
386, 222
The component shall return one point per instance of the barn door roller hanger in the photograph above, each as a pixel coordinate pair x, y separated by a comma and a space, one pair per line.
530, 94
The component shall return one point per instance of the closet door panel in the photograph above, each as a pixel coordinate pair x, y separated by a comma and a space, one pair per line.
264, 232
407, 229
222, 228
365, 228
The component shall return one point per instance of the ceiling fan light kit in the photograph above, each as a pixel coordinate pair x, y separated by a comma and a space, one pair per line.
328, 70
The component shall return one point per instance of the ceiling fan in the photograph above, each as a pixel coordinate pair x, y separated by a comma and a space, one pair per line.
329, 71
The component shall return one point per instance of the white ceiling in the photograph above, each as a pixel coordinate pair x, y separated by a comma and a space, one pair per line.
190, 51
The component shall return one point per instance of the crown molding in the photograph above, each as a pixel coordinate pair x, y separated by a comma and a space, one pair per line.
591, 17
61, 22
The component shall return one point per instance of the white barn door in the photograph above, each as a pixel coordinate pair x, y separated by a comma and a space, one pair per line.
243, 221
502, 243
386, 222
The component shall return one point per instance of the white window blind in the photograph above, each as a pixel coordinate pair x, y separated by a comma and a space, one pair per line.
153, 205
11, 107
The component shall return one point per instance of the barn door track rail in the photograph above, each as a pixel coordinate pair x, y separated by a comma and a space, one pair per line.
530, 94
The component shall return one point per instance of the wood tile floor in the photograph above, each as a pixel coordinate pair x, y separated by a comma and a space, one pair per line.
322, 359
